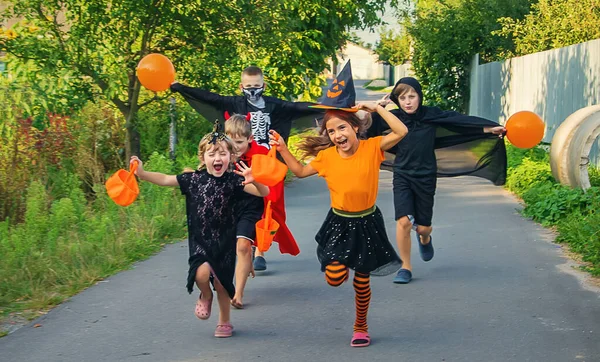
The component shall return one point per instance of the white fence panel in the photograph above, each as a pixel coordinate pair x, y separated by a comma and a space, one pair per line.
553, 84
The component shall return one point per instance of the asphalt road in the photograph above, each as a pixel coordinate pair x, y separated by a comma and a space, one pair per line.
496, 290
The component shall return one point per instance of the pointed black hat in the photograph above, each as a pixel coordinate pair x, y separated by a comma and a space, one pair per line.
341, 94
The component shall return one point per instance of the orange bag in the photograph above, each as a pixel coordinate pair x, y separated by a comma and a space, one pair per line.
122, 187
267, 169
266, 229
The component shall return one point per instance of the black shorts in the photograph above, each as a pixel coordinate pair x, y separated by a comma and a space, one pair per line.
414, 196
249, 213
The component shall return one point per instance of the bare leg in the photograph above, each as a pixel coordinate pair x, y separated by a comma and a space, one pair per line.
224, 306
403, 228
424, 234
242, 269
202, 281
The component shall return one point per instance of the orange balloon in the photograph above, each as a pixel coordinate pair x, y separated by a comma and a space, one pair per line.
525, 129
156, 72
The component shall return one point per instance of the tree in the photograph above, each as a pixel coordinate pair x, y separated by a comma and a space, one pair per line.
447, 34
393, 47
552, 24
91, 47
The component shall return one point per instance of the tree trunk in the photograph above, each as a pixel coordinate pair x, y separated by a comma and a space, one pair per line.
132, 143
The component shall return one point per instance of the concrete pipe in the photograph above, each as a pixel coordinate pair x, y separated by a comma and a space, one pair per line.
579, 151
559, 150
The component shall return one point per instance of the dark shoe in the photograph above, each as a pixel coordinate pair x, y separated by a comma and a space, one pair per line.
426, 250
260, 263
404, 276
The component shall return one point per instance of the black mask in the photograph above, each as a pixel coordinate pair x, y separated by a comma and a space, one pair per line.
253, 94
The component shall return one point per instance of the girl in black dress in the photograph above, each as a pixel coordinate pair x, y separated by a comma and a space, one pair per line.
210, 193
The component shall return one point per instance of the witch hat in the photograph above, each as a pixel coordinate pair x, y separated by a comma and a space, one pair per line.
341, 93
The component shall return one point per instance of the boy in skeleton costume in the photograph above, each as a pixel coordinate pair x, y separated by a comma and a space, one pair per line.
266, 113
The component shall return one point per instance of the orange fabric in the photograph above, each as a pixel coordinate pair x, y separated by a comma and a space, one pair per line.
285, 239
353, 182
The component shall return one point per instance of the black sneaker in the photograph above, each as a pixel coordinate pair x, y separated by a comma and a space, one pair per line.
426, 250
260, 263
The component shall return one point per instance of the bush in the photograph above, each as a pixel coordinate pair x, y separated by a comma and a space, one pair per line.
65, 245
582, 233
572, 211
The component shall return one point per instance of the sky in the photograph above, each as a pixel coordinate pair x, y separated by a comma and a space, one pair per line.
373, 37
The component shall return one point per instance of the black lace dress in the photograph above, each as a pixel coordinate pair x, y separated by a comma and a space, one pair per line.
211, 224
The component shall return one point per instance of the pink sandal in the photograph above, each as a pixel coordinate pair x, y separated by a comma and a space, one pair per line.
203, 307
360, 339
224, 330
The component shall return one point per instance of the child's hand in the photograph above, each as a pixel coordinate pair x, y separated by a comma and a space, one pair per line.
367, 106
499, 130
384, 101
245, 171
275, 140
140, 167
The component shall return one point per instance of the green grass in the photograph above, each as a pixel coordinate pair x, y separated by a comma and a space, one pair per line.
382, 89
573, 213
377, 89
67, 245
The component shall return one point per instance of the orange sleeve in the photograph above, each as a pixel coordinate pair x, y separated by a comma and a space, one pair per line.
375, 142
319, 163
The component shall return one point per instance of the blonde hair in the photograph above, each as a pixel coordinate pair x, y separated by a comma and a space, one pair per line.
311, 145
238, 126
205, 144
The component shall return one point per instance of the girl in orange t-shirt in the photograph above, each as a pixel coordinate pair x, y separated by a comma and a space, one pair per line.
353, 234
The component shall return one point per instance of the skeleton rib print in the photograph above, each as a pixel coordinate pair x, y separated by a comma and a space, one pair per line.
261, 123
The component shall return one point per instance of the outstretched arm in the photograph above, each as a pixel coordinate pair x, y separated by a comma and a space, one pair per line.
157, 178
499, 130
294, 165
208, 104
398, 128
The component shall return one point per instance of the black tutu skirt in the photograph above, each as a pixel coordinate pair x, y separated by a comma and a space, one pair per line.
357, 240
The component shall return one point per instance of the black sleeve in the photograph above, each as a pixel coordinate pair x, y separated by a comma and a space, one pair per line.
378, 127
301, 108
184, 180
200, 95
210, 105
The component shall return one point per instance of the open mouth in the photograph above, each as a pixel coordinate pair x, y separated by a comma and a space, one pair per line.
343, 143
218, 167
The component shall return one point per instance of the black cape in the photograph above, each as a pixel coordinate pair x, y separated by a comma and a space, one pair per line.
461, 147
277, 114
442, 143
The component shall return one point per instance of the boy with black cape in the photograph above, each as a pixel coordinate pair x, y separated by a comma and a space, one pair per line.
439, 144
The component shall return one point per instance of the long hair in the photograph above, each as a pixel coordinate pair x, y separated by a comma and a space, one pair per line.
311, 145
